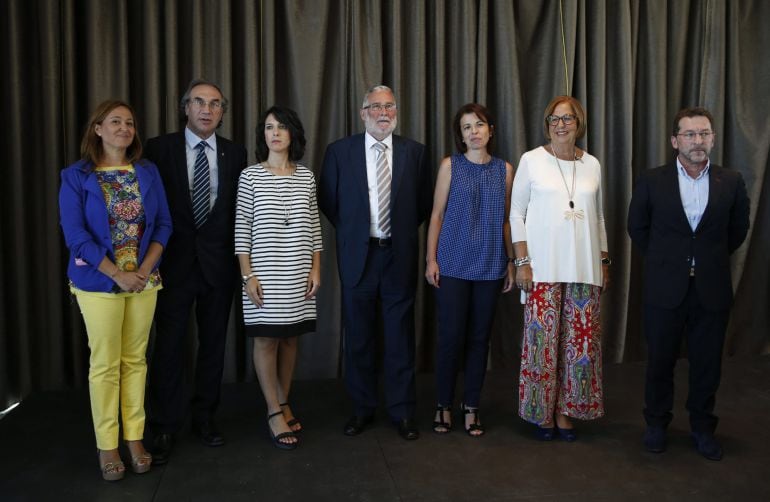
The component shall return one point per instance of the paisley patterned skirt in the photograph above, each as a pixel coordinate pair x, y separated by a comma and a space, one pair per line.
561, 359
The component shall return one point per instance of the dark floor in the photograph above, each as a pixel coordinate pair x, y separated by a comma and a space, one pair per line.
48, 453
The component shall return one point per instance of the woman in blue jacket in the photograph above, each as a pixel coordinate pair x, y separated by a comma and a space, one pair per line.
116, 223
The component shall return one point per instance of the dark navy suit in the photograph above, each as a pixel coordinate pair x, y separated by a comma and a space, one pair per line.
372, 275
680, 304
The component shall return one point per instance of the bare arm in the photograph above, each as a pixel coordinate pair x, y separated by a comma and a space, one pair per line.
252, 285
314, 277
440, 197
510, 269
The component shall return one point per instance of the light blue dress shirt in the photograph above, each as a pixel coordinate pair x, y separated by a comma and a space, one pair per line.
694, 193
191, 142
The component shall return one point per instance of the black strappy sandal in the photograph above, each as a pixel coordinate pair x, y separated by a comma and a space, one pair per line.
476, 424
276, 438
294, 421
441, 423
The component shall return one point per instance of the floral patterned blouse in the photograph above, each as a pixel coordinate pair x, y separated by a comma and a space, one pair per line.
120, 187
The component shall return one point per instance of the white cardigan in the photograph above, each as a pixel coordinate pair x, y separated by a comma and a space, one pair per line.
562, 248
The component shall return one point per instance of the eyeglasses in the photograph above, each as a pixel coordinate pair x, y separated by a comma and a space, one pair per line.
691, 135
378, 107
554, 119
213, 105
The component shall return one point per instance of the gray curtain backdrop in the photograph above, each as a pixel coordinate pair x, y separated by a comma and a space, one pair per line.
632, 63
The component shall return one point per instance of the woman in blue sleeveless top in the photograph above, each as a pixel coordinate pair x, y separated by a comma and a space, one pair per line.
468, 250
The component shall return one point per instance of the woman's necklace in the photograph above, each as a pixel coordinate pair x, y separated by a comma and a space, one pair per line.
570, 214
286, 207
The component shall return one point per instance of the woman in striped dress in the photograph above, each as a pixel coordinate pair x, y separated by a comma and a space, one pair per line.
278, 244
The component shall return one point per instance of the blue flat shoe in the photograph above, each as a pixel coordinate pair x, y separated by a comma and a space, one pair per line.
707, 445
655, 439
544, 433
568, 435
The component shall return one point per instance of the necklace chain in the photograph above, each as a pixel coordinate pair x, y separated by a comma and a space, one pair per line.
286, 208
570, 193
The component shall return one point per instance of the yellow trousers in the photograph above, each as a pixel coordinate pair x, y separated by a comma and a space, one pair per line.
118, 327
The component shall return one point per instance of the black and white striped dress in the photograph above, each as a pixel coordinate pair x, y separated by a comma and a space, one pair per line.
277, 225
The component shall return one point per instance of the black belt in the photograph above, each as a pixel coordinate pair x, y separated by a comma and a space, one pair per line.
380, 242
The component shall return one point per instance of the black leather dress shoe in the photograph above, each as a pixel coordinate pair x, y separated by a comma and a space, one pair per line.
208, 433
356, 425
407, 429
162, 445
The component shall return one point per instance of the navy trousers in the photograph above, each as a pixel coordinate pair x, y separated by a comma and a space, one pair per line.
384, 288
466, 310
704, 331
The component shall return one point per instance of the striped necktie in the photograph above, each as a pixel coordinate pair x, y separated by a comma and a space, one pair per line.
201, 186
383, 189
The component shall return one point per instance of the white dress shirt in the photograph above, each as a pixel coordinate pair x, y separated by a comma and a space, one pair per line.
371, 179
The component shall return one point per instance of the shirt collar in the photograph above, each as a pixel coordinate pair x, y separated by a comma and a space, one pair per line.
370, 140
193, 139
683, 172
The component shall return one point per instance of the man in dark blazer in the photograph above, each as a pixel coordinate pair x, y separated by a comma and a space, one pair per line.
687, 218
375, 188
198, 267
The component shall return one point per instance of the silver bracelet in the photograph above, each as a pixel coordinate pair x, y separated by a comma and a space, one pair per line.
518, 262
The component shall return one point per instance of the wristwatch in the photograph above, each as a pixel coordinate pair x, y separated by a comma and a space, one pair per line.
245, 278
607, 261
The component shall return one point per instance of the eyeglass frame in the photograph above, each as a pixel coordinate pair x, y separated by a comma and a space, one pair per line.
691, 135
553, 120
213, 105
378, 107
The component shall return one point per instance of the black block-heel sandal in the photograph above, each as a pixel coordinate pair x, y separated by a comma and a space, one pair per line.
442, 426
475, 426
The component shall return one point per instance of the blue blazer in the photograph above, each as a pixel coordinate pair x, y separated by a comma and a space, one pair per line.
344, 199
659, 229
86, 226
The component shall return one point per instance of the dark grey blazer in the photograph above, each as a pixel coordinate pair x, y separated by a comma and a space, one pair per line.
659, 228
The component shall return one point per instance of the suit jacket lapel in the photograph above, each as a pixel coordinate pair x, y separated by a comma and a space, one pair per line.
675, 195
222, 171
715, 190
358, 161
179, 151
398, 167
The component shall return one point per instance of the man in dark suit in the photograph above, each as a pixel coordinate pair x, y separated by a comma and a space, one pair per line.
375, 188
687, 218
200, 173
